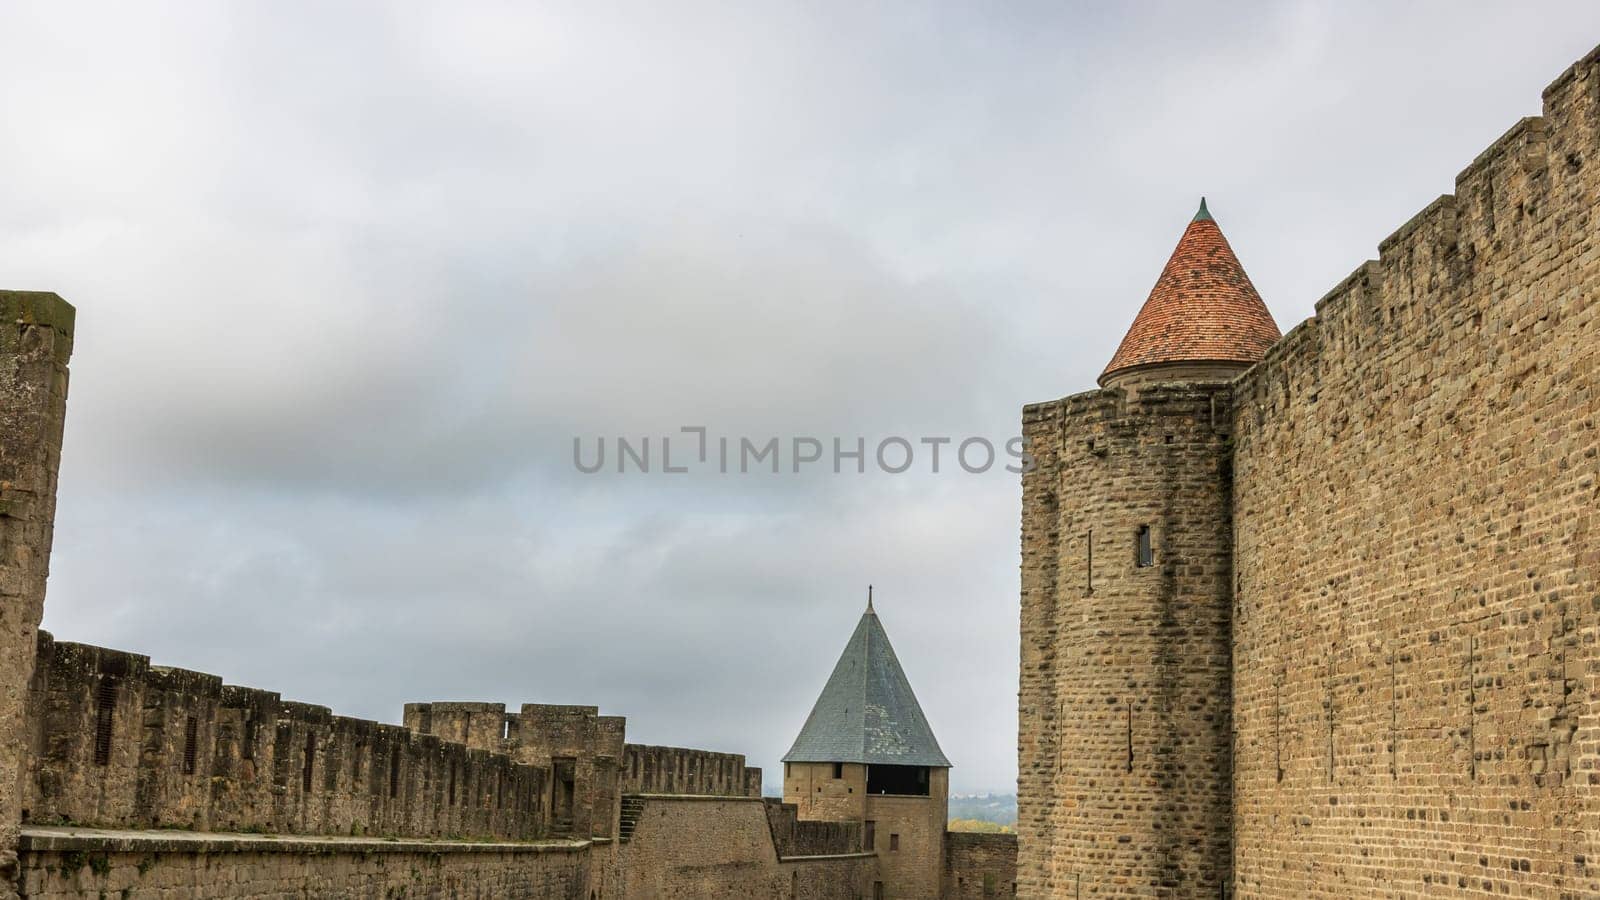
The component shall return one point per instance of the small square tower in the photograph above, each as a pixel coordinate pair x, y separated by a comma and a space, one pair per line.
867, 754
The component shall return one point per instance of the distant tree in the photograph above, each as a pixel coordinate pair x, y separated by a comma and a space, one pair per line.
980, 825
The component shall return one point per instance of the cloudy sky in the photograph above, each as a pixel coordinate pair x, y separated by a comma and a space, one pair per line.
351, 279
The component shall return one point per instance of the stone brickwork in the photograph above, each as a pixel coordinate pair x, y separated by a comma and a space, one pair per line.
696, 847
1417, 609
909, 833
678, 770
578, 748
818, 794
1409, 595
1123, 750
75, 863
794, 836
36, 332
979, 866
124, 744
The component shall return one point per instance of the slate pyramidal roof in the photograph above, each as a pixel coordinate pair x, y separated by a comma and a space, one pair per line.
1202, 309
867, 712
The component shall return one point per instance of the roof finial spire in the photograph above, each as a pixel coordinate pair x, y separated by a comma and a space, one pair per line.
1204, 215
869, 598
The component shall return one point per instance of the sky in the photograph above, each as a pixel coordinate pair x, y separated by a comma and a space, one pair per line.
351, 280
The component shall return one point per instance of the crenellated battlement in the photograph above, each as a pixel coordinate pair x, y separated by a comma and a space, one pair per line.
1414, 477
125, 744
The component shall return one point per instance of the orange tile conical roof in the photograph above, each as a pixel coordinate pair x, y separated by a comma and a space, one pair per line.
1203, 308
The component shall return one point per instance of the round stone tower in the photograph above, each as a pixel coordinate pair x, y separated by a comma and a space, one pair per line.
1124, 703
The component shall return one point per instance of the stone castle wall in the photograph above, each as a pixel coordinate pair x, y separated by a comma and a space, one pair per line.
794, 836
575, 746
693, 847
1415, 634
1123, 747
119, 743
1417, 691
979, 866
814, 790
148, 779
182, 866
36, 332
909, 836
677, 770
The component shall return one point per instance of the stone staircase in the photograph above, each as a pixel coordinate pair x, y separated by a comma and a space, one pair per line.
632, 808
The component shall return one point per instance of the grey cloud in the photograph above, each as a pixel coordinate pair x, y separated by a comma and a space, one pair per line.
351, 277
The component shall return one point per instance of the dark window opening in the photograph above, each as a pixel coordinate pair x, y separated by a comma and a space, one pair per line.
909, 780
869, 839
563, 788
1130, 735
105, 712
877, 890
1088, 568
191, 731
838, 770
1145, 554
894, 842
247, 750
394, 773
310, 762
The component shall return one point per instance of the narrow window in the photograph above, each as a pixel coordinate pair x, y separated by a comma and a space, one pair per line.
1088, 568
505, 729
870, 838
838, 770
310, 761
1146, 553
877, 890
894, 842
248, 749
105, 711
786, 770
1130, 735
452, 784
394, 773
191, 731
